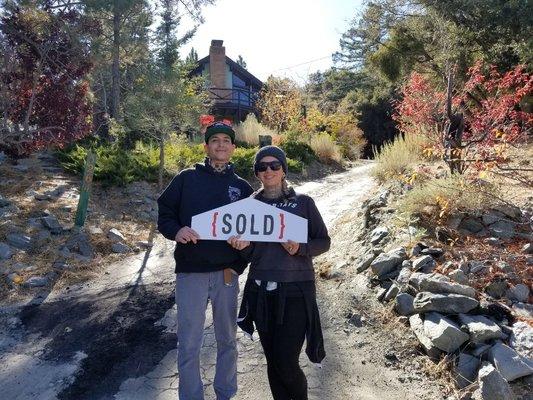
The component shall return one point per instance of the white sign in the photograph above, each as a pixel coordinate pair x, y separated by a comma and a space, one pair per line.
253, 220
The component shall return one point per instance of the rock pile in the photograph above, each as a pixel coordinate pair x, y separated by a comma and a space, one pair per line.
490, 345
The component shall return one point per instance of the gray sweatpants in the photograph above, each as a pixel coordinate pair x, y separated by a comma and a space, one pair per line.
192, 293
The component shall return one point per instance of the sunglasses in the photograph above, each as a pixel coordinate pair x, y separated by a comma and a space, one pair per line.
262, 166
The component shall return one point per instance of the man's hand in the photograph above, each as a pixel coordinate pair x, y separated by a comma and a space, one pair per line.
291, 247
237, 243
186, 235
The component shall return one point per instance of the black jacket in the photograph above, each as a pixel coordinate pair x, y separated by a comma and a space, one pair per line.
194, 191
253, 310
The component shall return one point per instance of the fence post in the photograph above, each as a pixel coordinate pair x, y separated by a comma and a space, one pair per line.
85, 190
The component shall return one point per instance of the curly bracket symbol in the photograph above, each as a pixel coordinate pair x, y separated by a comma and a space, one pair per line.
282, 225
214, 224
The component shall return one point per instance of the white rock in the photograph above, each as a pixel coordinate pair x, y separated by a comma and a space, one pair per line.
443, 332
115, 235
492, 385
509, 363
404, 304
521, 339
417, 325
480, 328
459, 276
438, 283
425, 263
444, 303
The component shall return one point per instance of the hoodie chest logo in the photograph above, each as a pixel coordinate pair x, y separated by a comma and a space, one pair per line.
234, 193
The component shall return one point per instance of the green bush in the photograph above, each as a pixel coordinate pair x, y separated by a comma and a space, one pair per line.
116, 166
298, 151
243, 161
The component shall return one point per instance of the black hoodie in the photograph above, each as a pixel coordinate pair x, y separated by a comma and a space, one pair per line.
191, 192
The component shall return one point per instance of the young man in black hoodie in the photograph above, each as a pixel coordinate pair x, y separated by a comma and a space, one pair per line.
202, 265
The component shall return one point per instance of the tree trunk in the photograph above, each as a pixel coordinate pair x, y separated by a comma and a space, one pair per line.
115, 90
161, 161
453, 136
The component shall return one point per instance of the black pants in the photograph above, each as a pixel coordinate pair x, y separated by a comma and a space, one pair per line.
282, 344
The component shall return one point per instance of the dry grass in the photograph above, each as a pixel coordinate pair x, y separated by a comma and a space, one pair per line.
397, 158
249, 131
437, 199
325, 148
441, 372
108, 208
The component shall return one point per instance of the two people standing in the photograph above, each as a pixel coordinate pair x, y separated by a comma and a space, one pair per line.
279, 295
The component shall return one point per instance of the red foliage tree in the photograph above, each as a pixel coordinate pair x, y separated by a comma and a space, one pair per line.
44, 79
477, 124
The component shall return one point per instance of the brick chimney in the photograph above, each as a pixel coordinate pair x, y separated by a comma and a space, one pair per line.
217, 64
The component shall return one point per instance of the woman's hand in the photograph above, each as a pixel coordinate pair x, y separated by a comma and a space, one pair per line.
291, 247
237, 243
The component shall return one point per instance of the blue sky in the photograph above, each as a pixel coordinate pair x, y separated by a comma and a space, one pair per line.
276, 36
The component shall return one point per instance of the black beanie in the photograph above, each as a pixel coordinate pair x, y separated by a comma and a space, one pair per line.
272, 151
219, 127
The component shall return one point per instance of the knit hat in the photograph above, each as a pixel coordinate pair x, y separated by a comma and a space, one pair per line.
219, 127
272, 151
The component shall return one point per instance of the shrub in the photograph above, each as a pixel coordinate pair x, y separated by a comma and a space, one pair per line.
118, 166
243, 161
248, 131
325, 148
396, 159
351, 141
298, 151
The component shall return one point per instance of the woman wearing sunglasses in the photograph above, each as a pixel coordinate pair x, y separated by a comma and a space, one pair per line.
280, 295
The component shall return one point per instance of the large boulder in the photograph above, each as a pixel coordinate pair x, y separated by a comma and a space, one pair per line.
437, 283
417, 325
443, 303
509, 363
480, 328
492, 385
443, 332
387, 262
